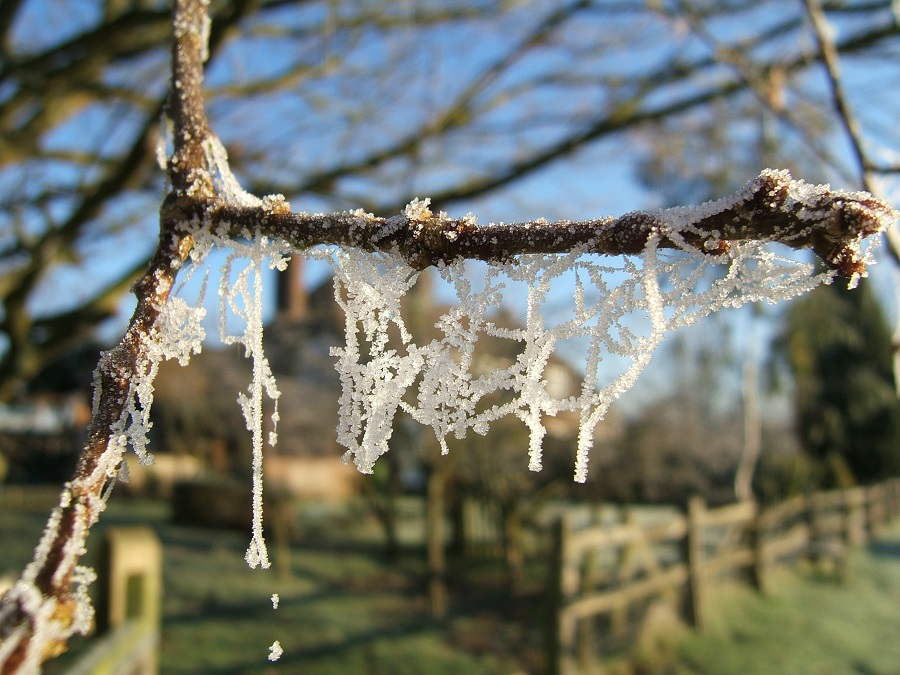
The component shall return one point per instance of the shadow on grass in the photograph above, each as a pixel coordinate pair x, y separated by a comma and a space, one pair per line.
344, 608
214, 607
885, 548
298, 657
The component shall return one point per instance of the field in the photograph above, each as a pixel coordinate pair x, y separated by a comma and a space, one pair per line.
344, 609
808, 624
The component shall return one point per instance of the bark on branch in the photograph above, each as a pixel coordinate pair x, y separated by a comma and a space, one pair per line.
41, 612
772, 207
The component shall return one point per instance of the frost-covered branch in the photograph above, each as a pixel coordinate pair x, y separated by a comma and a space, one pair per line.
204, 201
41, 612
772, 207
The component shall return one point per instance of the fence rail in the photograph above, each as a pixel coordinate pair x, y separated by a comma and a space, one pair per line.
607, 573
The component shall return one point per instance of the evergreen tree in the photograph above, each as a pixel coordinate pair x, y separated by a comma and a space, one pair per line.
837, 345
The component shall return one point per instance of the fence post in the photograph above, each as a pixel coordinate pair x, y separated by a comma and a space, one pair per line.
812, 518
619, 615
875, 508
890, 492
760, 568
129, 604
854, 504
695, 599
564, 582
437, 565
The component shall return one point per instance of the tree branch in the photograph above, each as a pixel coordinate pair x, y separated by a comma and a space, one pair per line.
829, 55
41, 612
772, 207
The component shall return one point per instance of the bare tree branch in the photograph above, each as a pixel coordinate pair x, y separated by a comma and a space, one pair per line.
772, 207
24, 642
829, 55
850, 124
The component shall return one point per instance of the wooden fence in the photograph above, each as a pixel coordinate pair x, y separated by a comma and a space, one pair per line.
128, 607
607, 575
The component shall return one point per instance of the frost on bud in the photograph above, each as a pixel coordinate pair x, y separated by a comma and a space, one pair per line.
418, 211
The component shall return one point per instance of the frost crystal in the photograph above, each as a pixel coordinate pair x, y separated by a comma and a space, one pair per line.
618, 313
242, 297
418, 210
275, 651
227, 185
375, 381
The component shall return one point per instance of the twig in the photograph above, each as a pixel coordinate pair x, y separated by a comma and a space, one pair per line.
772, 207
830, 60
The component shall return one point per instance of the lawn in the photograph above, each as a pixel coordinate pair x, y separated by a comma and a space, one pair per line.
807, 624
344, 609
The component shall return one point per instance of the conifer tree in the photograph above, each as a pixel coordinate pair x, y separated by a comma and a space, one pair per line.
837, 345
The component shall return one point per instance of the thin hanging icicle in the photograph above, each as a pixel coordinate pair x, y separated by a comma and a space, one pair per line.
243, 298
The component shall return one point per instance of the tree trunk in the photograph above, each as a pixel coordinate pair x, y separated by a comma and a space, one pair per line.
437, 585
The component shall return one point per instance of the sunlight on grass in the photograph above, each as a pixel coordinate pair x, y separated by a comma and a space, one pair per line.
808, 624
343, 609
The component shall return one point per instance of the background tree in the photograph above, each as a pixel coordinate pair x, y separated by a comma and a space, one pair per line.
686, 439
680, 91
838, 348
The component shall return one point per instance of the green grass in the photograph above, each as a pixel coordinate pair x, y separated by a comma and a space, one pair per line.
344, 610
807, 623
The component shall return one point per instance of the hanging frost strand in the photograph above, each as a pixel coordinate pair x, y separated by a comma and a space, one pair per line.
620, 311
242, 297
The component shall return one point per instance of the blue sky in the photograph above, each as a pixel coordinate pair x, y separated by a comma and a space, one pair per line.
599, 179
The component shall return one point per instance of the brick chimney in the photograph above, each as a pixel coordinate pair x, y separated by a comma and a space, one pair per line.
292, 296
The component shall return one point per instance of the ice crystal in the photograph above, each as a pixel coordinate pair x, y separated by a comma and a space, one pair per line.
275, 651
620, 309
373, 386
242, 297
227, 186
418, 210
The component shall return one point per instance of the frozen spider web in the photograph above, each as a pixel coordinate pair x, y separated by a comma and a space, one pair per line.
618, 311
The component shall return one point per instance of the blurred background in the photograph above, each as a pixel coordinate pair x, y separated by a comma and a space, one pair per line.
511, 110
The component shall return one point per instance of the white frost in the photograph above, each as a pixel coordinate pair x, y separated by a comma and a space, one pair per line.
242, 297
275, 651
620, 311
418, 210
